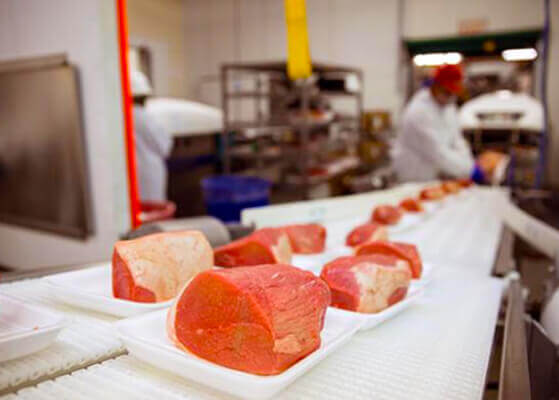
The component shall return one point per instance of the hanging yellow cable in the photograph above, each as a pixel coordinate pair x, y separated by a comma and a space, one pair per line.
298, 54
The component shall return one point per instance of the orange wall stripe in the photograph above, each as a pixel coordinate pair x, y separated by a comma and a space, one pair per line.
127, 108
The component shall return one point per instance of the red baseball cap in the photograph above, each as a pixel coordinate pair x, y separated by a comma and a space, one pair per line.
450, 77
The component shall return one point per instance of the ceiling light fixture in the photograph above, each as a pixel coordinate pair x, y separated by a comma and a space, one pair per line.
433, 59
519, 54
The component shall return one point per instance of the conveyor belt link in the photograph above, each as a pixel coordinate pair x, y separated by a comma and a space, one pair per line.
88, 338
437, 349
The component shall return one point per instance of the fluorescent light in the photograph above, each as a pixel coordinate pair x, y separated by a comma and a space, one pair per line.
432, 59
520, 54
504, 94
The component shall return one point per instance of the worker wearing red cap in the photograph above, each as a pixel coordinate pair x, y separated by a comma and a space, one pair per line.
430, 144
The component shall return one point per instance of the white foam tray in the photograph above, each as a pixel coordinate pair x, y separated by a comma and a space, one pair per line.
369, 321
25, 329
91, 288
408, 221
146, 338
432, 206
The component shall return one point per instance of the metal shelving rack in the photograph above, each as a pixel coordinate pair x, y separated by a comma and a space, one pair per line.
269, 110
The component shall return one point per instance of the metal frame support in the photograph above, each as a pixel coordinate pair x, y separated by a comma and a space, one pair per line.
514, 380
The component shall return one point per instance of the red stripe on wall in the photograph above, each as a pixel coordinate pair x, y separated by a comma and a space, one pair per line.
127, 108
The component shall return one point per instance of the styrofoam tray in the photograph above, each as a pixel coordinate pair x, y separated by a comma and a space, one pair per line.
25, 329
315, 262
91, 288
146, 338
408, 221
339, 229
427, 274
369, 321
432, 206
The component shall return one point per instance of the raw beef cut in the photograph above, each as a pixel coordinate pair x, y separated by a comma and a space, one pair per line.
466, 182
307, 238
387, 215
366, 233
260, 319
432, 193
405, 251
411, 205
367, 284
265, 246
156, 267
451, 186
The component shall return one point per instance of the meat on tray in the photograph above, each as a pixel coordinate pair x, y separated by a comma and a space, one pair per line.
156, 267
465, 182
432, 193
306, 238
366, 233
404, 251
387, 215
260, 319
367, 284
264, 246
411, 205
451, 186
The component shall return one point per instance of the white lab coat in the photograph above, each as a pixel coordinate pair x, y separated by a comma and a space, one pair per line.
430, 143
153, 146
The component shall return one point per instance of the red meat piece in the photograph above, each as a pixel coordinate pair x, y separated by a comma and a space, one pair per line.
432, 193
404, 251
307, 238
387, 215
156, 267
265, 246
451, 187
367, 284
466, 182
411, 205
260, 319
366, 233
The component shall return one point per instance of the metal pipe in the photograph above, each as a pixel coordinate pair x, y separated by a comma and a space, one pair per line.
514, 380
127, 110
225, 132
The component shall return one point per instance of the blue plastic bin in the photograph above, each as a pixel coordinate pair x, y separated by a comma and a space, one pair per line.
227, 195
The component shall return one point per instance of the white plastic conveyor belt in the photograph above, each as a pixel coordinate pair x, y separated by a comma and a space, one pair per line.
464, 230
437, 349
464, 233
87, 338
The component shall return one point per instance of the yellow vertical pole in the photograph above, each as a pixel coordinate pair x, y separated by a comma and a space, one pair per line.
298, 53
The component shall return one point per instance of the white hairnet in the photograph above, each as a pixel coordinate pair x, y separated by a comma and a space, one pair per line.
139, 83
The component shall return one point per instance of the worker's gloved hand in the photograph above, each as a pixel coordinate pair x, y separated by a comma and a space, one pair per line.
489, 166
488, 161
477, 174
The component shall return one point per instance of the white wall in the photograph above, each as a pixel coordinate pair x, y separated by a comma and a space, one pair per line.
436, 18
86, 31
341, 31
553, 95
159, 25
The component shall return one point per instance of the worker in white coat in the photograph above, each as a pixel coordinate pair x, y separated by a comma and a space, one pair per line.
430, 143
153, 144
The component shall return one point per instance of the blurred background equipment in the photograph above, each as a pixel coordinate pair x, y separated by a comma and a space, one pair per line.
509, 122
290, 132
501, 109
43, 167
227, 195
